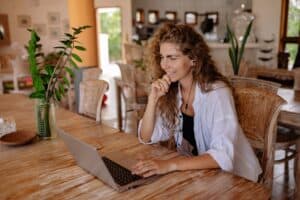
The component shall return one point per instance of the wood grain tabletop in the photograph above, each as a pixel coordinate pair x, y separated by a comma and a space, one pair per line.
46, 170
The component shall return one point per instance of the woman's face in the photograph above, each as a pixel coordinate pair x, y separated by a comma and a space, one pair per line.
176, 65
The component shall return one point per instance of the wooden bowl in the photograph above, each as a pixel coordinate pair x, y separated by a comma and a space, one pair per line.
18, 138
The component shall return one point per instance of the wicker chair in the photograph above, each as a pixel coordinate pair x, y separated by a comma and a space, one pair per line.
252, 98
134, 95
133, 52
90, 100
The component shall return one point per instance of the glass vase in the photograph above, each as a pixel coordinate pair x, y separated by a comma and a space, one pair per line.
45, 119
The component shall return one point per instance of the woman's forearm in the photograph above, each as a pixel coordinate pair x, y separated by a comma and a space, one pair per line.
148, 122
148, 168
204, 161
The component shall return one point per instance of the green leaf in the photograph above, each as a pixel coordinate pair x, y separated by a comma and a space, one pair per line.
34, 69
61, 89
73, 64
67, 43
60, 47
76, 57
69, 35
245, 37
70, 71
236, 52
233, 60
37, 95
57, 94
66, 81
49, 69
80, 48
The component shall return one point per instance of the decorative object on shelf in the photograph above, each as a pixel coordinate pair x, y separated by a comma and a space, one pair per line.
240, 21
214, 16
265, 55
4, 30
207, 25
50, 81
171, 16
139, 16
236, 50
283, 60
153, 17
190, 18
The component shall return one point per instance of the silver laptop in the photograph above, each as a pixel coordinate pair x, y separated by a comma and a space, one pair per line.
105, 168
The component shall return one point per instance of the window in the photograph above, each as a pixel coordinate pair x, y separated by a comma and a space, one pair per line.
290, 29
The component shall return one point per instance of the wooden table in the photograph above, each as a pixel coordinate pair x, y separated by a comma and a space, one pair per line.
290, 116
290, 112
45, 169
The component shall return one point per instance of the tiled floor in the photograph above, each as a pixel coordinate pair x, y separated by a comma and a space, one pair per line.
284, 181
283, 184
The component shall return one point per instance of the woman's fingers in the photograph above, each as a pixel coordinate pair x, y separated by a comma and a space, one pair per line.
164, 85
161, 86
149, 173
167, 78
145, 168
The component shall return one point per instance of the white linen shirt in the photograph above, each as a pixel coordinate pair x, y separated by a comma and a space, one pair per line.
217, 132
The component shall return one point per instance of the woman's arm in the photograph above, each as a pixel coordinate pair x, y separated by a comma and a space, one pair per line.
158, 89
148, 168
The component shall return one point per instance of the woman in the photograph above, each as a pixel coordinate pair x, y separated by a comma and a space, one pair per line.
191, 104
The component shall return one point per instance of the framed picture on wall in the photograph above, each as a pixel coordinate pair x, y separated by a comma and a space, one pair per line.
190, 18
171, 16
54, 32
24, 21
53, 18
66, 25
4, 30
139, 16
40, 29
153, 16
214, 16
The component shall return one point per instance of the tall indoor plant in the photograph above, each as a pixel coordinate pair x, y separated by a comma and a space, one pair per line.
50, 82
236, 50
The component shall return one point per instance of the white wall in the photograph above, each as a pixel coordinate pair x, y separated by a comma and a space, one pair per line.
38, 11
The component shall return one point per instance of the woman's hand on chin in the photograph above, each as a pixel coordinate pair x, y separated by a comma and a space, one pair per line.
160, 87
148, 168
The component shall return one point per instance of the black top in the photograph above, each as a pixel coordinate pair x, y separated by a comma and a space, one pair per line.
188, 131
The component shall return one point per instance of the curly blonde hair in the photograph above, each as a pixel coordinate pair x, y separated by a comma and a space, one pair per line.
191, 44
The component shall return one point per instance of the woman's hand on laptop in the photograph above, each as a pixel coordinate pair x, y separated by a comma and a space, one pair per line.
148, 168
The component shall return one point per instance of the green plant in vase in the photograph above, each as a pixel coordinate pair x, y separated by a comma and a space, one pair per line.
236, 50
50, 82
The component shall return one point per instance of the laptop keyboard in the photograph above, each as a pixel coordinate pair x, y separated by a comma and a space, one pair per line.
121, 175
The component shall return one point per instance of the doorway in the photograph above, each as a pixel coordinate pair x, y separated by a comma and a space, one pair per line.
110, 51
109, 23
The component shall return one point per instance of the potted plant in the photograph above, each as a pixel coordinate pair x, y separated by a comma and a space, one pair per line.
50, 81
236, 50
